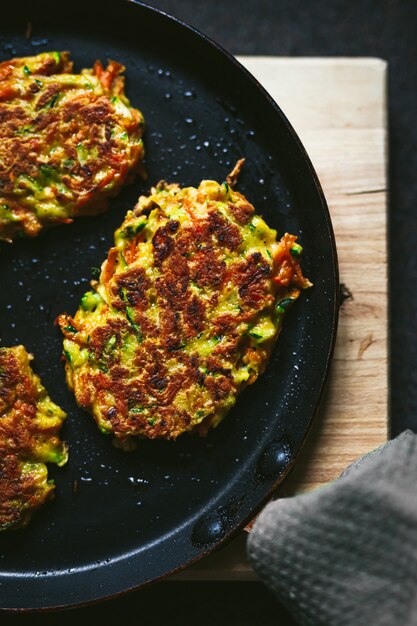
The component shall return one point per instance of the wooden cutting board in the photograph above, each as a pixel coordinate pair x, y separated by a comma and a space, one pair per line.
338, 108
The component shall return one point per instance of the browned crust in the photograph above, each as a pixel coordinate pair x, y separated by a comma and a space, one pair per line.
20, 436
33, 119
136, 397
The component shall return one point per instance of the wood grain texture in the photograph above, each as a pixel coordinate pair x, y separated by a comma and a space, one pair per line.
338, 108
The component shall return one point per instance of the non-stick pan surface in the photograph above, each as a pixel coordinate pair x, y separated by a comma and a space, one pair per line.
135, 517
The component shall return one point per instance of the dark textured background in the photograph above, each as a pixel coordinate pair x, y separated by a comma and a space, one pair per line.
382, 28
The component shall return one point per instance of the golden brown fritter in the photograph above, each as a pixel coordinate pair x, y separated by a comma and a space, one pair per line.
186, 311
67, 141
29, 427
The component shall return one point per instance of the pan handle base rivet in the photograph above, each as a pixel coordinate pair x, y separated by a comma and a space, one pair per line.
208, 529
274, 459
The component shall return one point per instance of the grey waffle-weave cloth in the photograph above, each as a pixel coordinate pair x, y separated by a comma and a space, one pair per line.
346, 553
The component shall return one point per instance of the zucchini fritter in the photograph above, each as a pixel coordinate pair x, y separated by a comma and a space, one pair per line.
67, 141
29, 427
185, 314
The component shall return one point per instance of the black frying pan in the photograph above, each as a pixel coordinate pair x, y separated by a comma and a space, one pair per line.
136, 517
